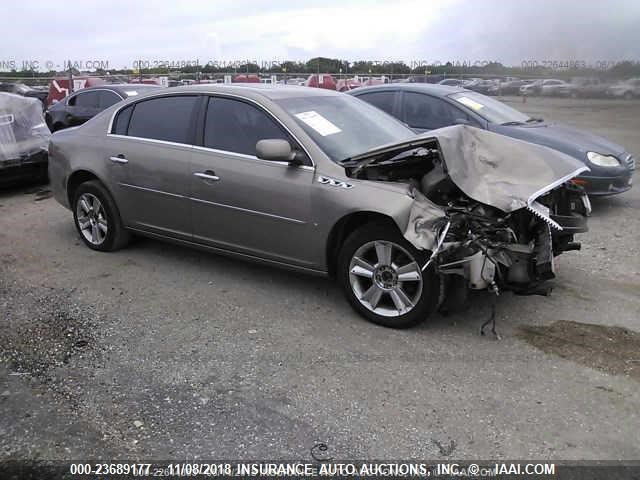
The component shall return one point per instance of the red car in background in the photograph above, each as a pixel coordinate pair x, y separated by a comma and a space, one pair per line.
321, 81
249, 78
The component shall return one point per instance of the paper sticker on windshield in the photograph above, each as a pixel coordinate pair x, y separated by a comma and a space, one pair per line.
470, 103
131, 93
320, 124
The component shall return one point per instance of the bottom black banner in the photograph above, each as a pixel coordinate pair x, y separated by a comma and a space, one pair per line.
365, 470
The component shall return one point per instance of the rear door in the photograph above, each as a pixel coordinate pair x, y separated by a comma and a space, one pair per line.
240, 202
148, 152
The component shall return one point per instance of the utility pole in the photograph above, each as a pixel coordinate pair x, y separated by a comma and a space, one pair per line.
70, 78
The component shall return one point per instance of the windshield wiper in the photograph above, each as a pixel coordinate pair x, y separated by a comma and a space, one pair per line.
507, 124
535, 119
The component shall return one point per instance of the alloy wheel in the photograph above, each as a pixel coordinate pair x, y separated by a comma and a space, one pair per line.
385, 278
92, 219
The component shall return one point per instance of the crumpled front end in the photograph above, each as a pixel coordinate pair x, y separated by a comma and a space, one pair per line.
492, 210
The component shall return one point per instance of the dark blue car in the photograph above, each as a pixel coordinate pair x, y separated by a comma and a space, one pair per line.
426, 107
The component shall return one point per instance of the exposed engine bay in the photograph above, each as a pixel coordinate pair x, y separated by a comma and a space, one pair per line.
492, 211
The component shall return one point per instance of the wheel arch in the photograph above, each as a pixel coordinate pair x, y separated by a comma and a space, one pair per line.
79, 177
344, 227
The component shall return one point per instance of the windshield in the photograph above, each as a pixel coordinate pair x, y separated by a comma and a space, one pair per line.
343, 126
489, 109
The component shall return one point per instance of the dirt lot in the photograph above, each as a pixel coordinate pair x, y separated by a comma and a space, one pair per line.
161, 352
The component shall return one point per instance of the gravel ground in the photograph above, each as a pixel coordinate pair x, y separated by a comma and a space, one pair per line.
161, 352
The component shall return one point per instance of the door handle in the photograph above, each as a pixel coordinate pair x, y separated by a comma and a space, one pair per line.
208, 175
120, 158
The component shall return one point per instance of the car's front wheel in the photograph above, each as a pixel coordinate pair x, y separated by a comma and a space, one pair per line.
382, 277
97, 218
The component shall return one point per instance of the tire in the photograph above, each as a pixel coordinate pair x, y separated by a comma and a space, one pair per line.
360, 254
628, 95
99, 224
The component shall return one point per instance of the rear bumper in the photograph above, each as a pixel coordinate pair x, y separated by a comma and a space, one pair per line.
599, 186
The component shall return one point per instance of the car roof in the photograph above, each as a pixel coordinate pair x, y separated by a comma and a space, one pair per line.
429, 88
266, 90
118, 87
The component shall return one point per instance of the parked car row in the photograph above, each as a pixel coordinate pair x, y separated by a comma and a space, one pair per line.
423, 107
578, 87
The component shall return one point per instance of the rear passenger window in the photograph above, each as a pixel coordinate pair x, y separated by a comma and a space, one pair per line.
382, 100
236, 126
164, 118
121, 123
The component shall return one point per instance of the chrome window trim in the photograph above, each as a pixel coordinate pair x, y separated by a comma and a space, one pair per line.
153, 140
209, 94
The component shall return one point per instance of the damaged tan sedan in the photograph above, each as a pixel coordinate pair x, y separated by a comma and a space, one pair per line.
324, 183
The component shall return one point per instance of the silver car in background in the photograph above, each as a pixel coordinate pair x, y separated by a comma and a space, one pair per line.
322, 182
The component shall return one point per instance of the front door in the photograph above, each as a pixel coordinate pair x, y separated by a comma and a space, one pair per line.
242, 203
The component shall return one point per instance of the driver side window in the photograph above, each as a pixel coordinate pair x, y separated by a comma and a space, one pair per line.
235, 126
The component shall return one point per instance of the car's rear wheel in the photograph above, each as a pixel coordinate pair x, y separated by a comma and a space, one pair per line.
97, 218
382, 278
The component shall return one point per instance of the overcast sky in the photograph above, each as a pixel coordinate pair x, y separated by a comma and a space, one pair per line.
509, 31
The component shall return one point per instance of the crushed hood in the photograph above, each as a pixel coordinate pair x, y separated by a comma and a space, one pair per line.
500, 171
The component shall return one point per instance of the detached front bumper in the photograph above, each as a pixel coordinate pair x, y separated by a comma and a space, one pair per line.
28, 167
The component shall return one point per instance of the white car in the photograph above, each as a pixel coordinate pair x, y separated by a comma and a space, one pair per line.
627, 89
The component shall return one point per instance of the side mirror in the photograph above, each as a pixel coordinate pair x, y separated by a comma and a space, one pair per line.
277, 150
